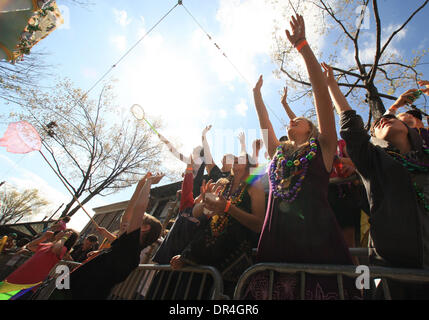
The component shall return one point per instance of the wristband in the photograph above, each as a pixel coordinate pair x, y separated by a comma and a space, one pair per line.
64, 238
228, 206
301, 45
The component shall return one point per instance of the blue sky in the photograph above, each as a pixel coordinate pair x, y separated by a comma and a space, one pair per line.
177, 74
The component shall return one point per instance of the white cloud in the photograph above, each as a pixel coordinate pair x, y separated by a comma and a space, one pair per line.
121, 17
119, 42
241, 108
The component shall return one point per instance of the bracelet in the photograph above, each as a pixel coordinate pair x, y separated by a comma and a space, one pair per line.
301, 45
228, 206
298, 41
64, 238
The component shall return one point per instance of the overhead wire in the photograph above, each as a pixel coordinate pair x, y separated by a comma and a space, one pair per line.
227, 58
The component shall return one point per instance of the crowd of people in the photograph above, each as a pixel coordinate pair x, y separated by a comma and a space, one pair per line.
291, 213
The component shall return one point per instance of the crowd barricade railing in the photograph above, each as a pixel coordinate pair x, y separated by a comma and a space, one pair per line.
160, 282
48, 286
382, 275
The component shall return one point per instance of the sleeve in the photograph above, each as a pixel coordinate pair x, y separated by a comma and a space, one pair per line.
198, 180
129, 242
215, 174
357, 139
187, 198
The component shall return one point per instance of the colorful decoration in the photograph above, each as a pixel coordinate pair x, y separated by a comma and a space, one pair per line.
10, 291
410, 164
283, 169
24, 23
21, 137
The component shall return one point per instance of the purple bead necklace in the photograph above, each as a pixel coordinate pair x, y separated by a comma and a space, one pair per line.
283, 168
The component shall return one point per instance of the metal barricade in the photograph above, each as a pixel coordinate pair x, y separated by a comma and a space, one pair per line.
160, 282
381, 274
48, 286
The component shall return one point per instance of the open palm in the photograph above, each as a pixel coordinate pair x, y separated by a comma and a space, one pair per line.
298, 30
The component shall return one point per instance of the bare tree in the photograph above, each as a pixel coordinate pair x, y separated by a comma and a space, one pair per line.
95, 148
365, 81
17, 204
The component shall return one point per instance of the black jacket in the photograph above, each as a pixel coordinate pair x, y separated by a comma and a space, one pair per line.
399, 223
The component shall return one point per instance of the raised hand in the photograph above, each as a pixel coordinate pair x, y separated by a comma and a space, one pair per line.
257, 144
259, 84
426, 84
328, 73
242, 138
207, 129
298, 28
156, 178
406, 98
284, 96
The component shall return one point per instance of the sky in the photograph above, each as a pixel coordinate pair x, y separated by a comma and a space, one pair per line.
177, 74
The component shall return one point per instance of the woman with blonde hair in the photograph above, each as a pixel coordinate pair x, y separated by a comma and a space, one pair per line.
300, 226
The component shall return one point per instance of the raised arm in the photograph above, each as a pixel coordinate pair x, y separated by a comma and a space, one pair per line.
285, 105
207, 154
322, 99
129, 210
33, 244
405, 98
340, 101
142, 203
256, 147
242, 138
264, 120
173, 150
425, 84
57, 247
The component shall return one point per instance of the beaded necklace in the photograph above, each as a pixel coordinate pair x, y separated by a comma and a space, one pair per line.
283, 168
412, 166
219, 223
